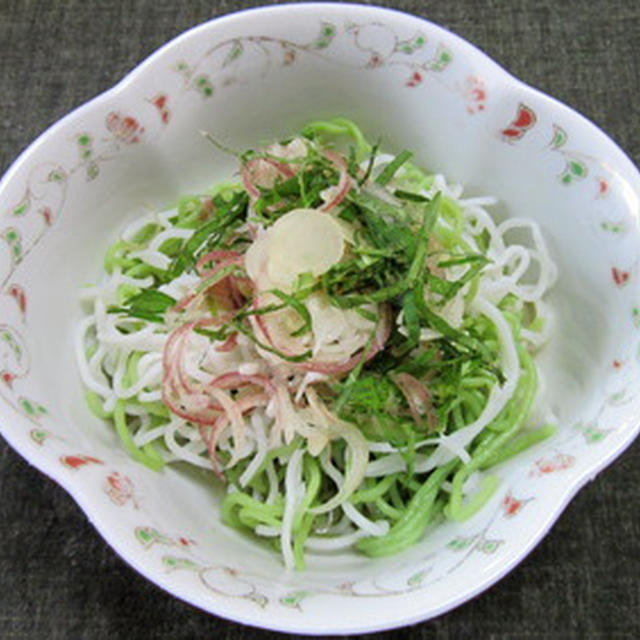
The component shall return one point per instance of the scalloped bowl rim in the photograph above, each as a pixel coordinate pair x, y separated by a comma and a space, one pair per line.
85, 501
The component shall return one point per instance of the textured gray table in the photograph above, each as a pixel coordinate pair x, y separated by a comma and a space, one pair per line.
58, 579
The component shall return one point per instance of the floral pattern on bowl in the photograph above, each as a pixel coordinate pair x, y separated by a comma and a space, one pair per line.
137, 146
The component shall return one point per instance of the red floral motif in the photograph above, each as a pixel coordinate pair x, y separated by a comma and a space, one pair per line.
603, 187
17, 292
374, 62
512, 506
620, 277
47, 214
120, 489
475, 94
8, 378
617, 364
524, 120
126, 129
186, 542
159, 101
76, 461
559, 462
415, 79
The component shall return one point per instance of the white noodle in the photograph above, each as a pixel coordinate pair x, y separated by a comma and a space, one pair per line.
86, 372
363, 523
273, 484
183, 452
145, 437
267, 531
334, 543
258, 423
294, 491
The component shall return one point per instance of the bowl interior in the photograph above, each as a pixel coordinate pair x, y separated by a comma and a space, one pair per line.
252, 78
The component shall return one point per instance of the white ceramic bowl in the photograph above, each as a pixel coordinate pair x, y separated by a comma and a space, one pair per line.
251, 77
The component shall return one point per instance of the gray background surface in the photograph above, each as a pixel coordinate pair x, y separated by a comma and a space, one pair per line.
58, 579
